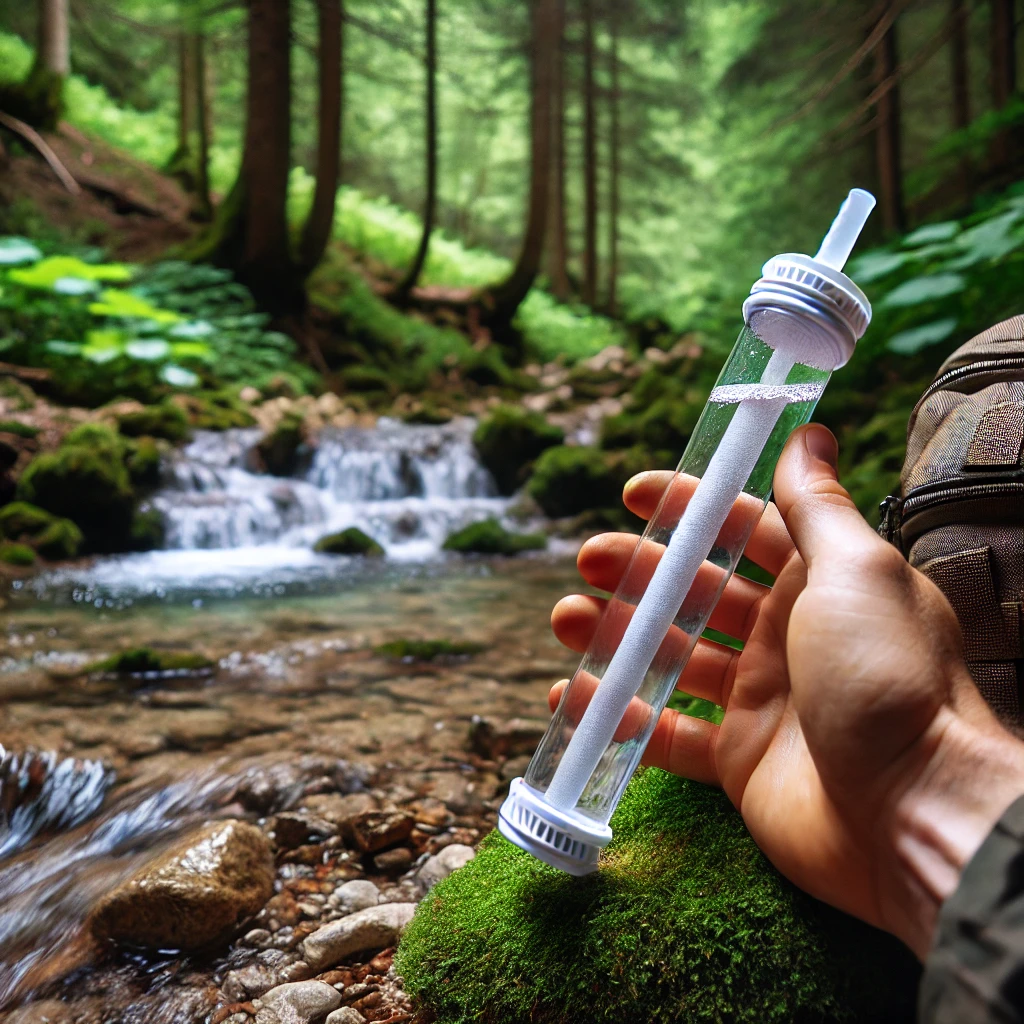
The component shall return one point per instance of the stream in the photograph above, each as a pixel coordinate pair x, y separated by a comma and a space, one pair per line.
98, 774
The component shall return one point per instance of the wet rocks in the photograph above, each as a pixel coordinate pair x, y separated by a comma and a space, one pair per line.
489, 537
348, 542
280, 451
393, 862
493, 738
442, 864
300, 1002
377, 830
345, 1015
195, 894
373, 928
509, 440
354, 896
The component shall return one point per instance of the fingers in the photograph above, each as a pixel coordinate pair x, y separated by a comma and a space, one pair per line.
769, 545
603, 560
679, 744
818, 512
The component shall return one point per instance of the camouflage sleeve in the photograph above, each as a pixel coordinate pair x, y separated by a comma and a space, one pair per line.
975, 971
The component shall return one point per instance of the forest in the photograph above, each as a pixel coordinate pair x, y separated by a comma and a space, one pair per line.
329, 329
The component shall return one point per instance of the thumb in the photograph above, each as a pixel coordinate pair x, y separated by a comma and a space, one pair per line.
818, 511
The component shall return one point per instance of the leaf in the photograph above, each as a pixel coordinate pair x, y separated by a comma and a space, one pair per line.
63, 348
178, 376
105, 339
990, 240
873, 265
120, 303
47, 273
941, 232
194, 329
100, 355
148, 351
15, 251
924, 289
192, 350
906, 343
74, 286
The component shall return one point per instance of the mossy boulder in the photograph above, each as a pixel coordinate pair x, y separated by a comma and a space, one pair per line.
427, 650
510, 439
348, 542
142, 459
214, 410
166, 420
147, 530
280, 450
18, 555
55, 539
19, 519
146, 661
685, 921
61, 540
19, 429
569, 480
491, 538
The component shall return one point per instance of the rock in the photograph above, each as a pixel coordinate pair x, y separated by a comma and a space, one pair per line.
348, 542
295, 828
393, 862
165, 420
249, 982
340, 810
489, 537
214, 410
442, 864
299, 1002
53, 538
280, 450
345, 1015
431, 811
195, 894
18, 555
427, 650
493, 738
509, 440
377, 830
373, 928
354, 896
144, 661
569, 480
257, 938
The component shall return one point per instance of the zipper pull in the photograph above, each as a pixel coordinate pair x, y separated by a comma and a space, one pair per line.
890, 514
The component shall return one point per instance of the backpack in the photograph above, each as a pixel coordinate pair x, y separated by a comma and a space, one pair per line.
959, 518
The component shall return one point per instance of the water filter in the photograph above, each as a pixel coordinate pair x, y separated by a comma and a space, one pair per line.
802, 320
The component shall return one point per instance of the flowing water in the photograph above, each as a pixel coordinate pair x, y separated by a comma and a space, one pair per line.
123, 766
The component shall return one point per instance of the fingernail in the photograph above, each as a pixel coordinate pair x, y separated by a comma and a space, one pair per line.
821, 445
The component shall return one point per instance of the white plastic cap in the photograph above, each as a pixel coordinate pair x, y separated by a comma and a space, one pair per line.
806, 305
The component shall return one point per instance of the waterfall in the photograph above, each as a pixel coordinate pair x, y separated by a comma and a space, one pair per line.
406, 486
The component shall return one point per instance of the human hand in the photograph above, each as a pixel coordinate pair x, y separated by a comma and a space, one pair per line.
854, 743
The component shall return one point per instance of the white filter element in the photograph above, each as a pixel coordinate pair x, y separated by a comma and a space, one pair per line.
837, 245
705, 514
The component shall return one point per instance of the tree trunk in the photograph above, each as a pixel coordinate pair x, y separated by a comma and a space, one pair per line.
558, 247
614, 142
504, 298
54, 53
204, 208
320, 222
1004, 71
39, 99
958, 45
589, 160
180, 163
413, 274
888, 158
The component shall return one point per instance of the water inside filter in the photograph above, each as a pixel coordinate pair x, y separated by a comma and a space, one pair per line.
787, 403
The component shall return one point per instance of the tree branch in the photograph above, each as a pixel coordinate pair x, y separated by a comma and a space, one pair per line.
32, 136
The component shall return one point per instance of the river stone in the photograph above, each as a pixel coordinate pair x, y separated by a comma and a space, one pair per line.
377, 830
373, 928
300, 1002
340, 810
442, 864
355, 895
346, 1015
195, 894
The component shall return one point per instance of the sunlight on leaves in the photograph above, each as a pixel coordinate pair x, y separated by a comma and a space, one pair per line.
924, 289
14, 251
48, 272
930, 233
873, 265
178, 376
908, 342
114, 302
148, 351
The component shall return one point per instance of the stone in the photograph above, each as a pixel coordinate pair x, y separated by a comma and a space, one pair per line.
393, 862
345, 1015
340, 811
568, 480
373, 928
442, 864
298, 1002
510, 439
295, 828
430, 811
494, 738
194, 895
377, 830
348, 542
249, 982
489, 537
353, 896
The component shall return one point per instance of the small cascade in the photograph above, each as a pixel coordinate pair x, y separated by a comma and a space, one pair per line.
406, 486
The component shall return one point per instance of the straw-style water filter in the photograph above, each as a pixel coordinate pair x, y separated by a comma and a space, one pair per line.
801, 322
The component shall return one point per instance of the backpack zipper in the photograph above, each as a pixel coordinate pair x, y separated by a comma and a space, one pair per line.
1002, 497
958, 372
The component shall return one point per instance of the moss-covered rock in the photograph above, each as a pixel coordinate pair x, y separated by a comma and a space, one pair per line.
280, 450
215, 410
427, 650
19, 519
166, 420
569, 480
146, 661
510, 439
429, 414
489, 537
55, 539
686, 921
348, 542
19, 555
142, 459
61, 540
19, 429
147, 529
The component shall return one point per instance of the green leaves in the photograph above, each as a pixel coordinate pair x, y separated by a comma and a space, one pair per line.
119, 303
908, 342
46, 273
14, 251
924, 289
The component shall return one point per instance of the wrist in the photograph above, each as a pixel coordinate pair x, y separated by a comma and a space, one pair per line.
970, 775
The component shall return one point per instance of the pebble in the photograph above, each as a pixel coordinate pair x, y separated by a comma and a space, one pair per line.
257, 938
355, 895
393, 862
377, 830
300, 1002
373, 928
346, 1015
442, 864
354, 992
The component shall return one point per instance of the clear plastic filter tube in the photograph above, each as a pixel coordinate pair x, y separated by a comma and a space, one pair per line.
801, 321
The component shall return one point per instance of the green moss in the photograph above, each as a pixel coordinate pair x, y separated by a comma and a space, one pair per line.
348, 542
429, 414
215, 410
20, 519
59, 541
144, 659
20, 555
143, 462
279, 450
19, 429
97, 436
569, 480
510, 439
38, 100
165, 420
147, 529
491, 538
685, 921
427, 650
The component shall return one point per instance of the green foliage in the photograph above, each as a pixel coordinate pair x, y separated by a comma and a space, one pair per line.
685, 921
489, 537
165, 420
19, 429
146, 531
349, 542
143, 462
55, 539
19, 520
215, 410
569, 480
509, 439
427, 650
19, 555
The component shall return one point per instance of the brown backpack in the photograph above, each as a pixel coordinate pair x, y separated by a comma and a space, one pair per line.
960, 516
